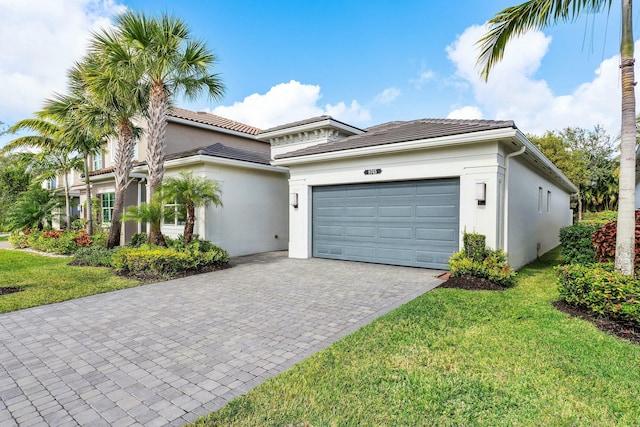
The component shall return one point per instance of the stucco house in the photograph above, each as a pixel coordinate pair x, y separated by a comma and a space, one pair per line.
254, 193
403, 192
398, 193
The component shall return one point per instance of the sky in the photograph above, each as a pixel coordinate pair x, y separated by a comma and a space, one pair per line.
364, 62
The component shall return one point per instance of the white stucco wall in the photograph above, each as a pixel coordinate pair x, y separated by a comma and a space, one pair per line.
254, 209
532, 227
480, 162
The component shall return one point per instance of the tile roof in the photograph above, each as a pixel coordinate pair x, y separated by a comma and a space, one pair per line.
213, 120
225, 152
304, 122
393, 132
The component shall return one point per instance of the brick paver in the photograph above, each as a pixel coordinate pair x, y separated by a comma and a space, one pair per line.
163, 354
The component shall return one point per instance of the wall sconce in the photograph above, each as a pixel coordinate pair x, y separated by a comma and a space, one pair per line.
293, 199
481, 193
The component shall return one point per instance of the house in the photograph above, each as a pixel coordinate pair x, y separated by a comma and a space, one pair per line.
398, 193
403, 192
254, 193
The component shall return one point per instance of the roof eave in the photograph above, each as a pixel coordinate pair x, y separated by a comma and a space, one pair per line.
328, 122
187, 122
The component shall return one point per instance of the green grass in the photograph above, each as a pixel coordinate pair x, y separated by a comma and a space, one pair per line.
46, 280
458, 358
4, 238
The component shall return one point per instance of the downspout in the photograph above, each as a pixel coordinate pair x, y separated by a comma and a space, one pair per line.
505, 231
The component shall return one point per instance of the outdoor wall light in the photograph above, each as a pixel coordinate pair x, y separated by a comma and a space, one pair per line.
481, 193
293, 199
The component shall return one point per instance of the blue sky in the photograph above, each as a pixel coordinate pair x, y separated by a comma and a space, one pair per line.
365, 62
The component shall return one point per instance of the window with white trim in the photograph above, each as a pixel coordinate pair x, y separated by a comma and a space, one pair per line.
174, 214
97, 161
108, 200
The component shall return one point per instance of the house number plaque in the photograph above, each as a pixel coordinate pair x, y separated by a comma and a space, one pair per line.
372, 171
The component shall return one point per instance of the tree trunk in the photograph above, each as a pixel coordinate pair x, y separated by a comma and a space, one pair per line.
122, 160
157, 126
625, 237
67, 201
579, 208
87, 186
157, 132
189, 224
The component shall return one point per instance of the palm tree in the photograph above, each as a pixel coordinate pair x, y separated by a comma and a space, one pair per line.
32, 209
172, 63
147, 212
114, 85
192, 192
55, 152
536, 14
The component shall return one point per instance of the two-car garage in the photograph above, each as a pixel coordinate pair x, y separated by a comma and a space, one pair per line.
410, 223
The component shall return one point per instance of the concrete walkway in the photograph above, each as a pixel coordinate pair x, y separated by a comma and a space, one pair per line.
167, 353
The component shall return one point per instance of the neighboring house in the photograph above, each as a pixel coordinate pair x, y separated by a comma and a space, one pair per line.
403, 192
398, 193
254, 193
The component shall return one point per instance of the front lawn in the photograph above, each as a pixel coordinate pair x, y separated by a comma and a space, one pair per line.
46, 280
456, 357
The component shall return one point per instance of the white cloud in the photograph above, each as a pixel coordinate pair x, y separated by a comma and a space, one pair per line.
387, 96
424, 77
467, 112
513, 91
289, 102
41, 41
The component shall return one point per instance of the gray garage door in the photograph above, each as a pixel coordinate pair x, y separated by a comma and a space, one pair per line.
411, 223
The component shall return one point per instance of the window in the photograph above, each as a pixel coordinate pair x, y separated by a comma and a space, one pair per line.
108, 200
174, 214
539, 199
52, 183
548, 201
97, 162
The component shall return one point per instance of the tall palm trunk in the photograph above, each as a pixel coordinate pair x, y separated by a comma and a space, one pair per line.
87, 187
122, 161
625, 236
158, 109
67, 200
190, 223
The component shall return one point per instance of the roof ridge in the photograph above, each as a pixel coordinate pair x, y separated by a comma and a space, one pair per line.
206, 117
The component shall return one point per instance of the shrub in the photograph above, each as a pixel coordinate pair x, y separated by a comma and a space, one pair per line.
19, 241
78, 224
93, 256
604, 240
474, 245
601, 290
493, 267
598, 219
137, 240
57, 242
576, 246
99, 239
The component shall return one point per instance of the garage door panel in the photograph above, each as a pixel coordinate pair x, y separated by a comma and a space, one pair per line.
412, 223
395, 211
351, 231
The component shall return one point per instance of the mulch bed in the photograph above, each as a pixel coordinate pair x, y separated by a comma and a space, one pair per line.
471, 283
9, 290
625, 330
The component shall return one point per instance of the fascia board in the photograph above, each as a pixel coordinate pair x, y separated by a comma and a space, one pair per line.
445, 141
199, 158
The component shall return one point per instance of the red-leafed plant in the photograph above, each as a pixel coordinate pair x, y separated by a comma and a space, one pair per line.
82, 238
604, 239
52, 234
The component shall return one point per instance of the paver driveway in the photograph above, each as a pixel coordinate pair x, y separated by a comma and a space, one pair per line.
166, 353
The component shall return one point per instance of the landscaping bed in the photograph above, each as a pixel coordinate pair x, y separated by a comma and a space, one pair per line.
471, 283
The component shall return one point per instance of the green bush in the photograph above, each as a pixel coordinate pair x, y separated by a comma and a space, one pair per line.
493, 267
576, 246
601, 290
100, 239
137, 240
474, 245
19, 241
57, 242
157, 261
598, 219
93, 256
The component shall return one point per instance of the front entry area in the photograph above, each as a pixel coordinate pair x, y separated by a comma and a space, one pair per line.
409, 223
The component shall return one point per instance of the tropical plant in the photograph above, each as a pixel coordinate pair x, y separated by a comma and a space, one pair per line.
535, 14
192, 192
148, 213
15, 179
56, 156
118, 95
171, 62
32, 209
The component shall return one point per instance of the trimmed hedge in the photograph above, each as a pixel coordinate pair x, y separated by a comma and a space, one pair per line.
493, 267
576, 244
601, 290
93, 256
